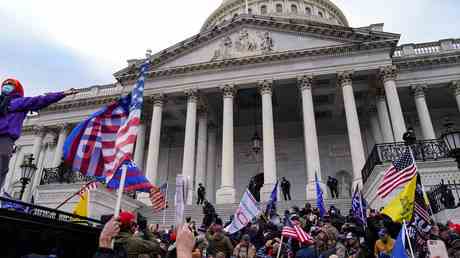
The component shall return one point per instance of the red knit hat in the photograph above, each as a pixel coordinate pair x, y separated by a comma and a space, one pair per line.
17, 85
126, 218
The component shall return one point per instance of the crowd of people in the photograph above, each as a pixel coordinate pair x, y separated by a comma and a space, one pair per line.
333, 235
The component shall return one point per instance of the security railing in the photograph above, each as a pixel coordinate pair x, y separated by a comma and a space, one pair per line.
45, 212
388, 152
64, 175
61, 174
442, 196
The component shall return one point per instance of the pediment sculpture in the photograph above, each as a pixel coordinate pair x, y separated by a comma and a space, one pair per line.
245, 43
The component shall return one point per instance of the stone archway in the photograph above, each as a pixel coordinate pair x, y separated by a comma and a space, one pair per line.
345, 180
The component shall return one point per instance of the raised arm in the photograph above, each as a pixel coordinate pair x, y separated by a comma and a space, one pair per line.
35, 103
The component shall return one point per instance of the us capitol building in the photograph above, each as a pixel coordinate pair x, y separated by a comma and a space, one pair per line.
284, 88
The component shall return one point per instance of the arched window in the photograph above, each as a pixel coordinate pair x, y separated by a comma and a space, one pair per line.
293, 8
307, 10
263, 9
320, 14
235, 15
249, 11
279, 8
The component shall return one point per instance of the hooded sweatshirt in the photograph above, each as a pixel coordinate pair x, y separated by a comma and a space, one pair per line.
18, 107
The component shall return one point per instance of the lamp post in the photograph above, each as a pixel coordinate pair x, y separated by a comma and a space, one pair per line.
27, 170
451, 138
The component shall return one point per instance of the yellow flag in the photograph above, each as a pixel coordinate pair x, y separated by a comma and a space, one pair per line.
81, 208
402, 206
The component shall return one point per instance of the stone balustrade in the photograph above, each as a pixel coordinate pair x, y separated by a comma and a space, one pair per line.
428, 48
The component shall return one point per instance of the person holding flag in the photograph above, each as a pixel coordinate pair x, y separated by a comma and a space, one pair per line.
270, 211
319, 198
13, 110
103, 145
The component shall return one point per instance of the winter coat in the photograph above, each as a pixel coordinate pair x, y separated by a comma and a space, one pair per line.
136, 246
11, 123
218, 242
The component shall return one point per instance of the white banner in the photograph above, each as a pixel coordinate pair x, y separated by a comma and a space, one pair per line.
437, 249
248, 210
180, 198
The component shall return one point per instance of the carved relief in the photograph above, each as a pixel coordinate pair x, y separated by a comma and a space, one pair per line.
344, 78
389, 72
245, 43
305, 82
265, 87
455, 87
419, 90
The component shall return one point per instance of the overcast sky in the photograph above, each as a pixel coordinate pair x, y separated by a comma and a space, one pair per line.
54, 45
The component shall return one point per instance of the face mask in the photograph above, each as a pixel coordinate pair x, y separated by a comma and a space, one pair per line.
7, 89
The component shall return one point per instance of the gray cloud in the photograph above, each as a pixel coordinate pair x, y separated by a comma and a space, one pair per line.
40, 63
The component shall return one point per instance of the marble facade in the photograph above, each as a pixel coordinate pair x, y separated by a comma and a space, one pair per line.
321, 94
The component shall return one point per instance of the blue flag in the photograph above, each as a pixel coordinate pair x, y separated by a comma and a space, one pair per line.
359, 205
319, 198
399, 249
271, 205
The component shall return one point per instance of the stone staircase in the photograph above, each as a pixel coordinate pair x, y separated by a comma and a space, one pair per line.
225, 210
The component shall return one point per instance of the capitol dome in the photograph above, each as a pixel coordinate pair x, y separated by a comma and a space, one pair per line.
315, 10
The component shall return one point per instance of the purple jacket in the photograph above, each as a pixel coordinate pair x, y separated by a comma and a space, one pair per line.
11, 123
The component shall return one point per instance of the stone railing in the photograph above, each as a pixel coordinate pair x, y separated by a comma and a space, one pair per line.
429, 48
388, 152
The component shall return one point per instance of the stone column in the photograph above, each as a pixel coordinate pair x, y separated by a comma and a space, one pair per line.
455, 86
268, 138
226, 193
188, 164
310, 137
384, 119
354, 130
423, 113
11, 172
151, 170
211, 165
63, 131
39, 132
388, 75
375, 127
200, 169
139, 151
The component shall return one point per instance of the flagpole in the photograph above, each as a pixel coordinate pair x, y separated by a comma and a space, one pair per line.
75, 194
423, 187
166, 201
363, 216
429, 204
89, 204
408, 239
279, 248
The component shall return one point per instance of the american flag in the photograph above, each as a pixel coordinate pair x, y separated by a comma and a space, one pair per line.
292, 229
103, 144
88, 187
158, 197
400, 172
421, 223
